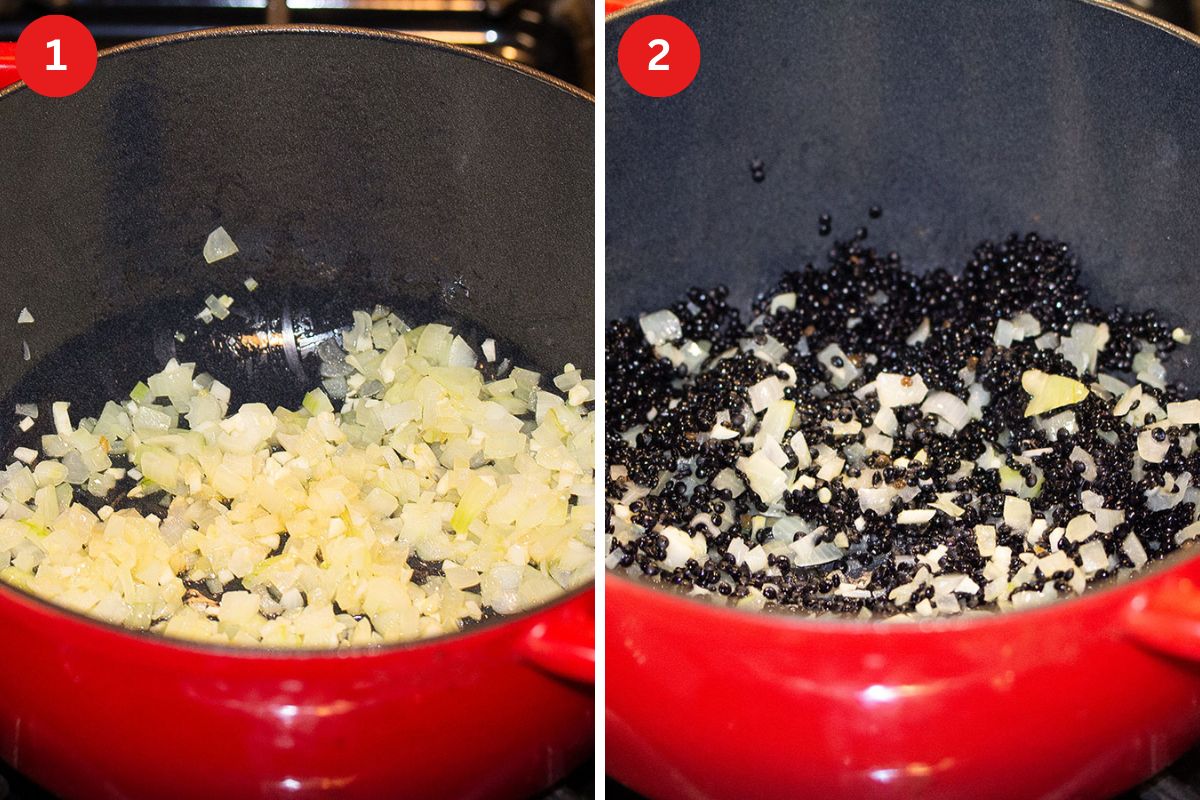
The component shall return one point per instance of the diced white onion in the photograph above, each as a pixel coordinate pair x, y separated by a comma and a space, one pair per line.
1048, 392
661, 326
899, 390
915, 516
764, 393
1018, 514
1081, 527
840, 376
1150, 448
1133, 548
948, 407
219, 245
1186, 412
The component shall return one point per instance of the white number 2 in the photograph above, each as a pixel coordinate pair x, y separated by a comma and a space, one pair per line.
56, 65
665, 48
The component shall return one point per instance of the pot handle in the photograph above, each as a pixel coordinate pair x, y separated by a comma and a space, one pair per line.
1167, 619
565, 644
8, 64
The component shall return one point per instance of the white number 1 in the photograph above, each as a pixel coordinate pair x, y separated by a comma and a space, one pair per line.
662, 53
56, 65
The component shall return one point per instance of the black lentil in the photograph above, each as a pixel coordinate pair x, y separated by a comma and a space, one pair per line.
661, 415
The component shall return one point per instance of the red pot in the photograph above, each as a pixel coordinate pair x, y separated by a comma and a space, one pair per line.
93, 711
963, 121
1076, 700
357, 164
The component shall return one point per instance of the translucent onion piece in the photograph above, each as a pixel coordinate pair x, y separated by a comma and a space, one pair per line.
219, 245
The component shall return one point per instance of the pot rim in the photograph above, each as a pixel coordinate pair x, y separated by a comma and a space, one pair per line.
640, 7
31, 603
1134, 587
237, 31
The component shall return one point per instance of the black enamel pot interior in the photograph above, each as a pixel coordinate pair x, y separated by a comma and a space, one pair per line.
964, 121
351, 168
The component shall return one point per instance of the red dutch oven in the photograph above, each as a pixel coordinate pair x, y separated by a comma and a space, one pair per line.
963, 121
352, 168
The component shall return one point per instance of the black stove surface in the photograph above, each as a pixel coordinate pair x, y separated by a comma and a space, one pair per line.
579, 785
1180, 781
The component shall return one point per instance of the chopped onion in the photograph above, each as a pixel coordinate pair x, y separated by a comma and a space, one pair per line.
899, 390
1150, 448
1161, 498
885, 420
877, 499
681, 547
1149, 369
775, 422
1107, 519
1081, 527
1081, 349
24, 318
978, 399
785, 300
766, 480
1018, 514
1004, 334
985, 540
915, 516
1187, 533
933, 558
764, 393
1057, 561
492, 480
1186, 412
948, 407
219, 245
62, 419
1128, 400
660, 327
1048, 392
461, 354
920, 334
1093, 557
807, 553
841, 369
1133, 548
1089, 463
1026, 326
774, 453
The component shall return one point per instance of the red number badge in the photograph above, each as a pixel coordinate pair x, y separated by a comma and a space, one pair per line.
56, 55
659, 56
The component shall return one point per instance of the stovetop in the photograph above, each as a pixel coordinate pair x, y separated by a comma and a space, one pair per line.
1180, 781
579, 785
